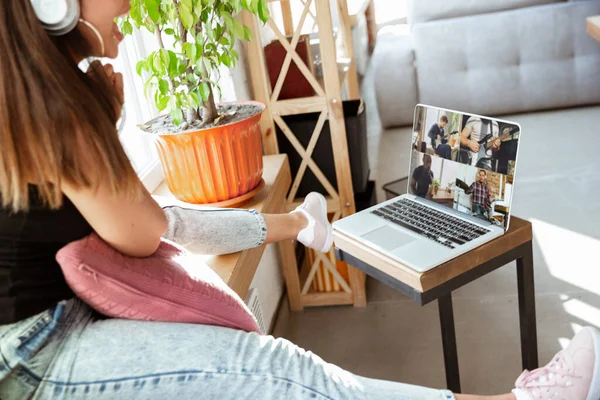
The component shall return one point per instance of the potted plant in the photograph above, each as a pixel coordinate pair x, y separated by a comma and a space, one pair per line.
436, 186
209, 152
449, 188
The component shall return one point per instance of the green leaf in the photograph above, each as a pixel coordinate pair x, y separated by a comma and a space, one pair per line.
237, 6
247, 33
234, 56
169, 31
263, 11
149, 87
207, 67
157, 65
191, 101
196, 98
238, 29
186, 16
225, 59
228, 19
200, 39
177, 115
163, 86
209, 32
161, 102
204, 91
165, 58
224, 41
141, 66
253, 6
198, 9
126, 28
152, 8
187, 3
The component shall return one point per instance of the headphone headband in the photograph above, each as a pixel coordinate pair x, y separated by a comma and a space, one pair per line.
58, 17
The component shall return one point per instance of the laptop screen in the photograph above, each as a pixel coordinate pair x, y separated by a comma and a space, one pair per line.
464, 161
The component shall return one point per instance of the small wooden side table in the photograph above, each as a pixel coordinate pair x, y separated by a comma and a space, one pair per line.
238, 269
439, 283
593, 27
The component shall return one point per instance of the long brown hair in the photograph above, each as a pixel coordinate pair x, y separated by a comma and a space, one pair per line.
57, 123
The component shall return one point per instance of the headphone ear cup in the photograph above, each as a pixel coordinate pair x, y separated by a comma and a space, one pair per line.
58, 17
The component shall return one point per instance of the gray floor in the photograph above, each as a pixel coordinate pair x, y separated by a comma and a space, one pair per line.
558, 189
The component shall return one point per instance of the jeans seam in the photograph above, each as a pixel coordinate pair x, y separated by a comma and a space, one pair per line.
184, 372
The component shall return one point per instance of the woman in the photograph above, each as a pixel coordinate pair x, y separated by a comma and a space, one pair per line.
64, 174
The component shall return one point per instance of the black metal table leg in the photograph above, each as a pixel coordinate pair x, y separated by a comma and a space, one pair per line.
449, 342
525, 282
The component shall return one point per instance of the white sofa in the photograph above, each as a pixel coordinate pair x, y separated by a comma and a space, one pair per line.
489, 57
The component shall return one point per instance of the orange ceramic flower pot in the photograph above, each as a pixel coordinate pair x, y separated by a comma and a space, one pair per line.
215, 164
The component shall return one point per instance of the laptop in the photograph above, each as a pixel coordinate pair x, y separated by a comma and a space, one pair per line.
459, 191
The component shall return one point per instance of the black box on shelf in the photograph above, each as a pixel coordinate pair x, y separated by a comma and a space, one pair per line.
302, 126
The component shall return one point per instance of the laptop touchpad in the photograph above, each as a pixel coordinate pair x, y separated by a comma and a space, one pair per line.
388, 238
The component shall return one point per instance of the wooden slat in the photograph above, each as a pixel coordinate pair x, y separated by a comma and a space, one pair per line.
299, 62
307, 155
260, 84
330, 265
593, 26
311, 163
314, 267
288, 57
286, 13
337, 125
338, 134
520, 232
302, 105
290, 268
314, 17
326, 299
352, 88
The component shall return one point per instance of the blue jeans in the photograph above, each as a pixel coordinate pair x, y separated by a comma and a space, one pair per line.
68, 352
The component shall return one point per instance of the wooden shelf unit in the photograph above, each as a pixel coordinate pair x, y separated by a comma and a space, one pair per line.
328, 102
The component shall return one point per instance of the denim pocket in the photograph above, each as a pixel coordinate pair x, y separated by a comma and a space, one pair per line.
27, 340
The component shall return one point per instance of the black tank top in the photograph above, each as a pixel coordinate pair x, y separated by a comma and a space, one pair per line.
31, 280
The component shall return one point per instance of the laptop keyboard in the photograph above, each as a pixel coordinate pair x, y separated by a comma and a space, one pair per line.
435, 225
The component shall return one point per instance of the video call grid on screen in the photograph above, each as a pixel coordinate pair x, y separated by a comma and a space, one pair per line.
464, 161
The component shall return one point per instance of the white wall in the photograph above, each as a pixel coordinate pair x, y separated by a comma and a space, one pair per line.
448, 173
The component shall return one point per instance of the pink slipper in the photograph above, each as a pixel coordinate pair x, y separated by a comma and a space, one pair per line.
318, 235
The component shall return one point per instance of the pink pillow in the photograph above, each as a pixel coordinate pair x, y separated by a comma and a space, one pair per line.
170, 285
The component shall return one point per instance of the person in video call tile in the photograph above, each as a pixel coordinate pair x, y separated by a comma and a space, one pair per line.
422, 178
418, 143
481, 195
476, 129
439, 142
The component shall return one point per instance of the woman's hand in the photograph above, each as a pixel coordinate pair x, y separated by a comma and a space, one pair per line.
111, 77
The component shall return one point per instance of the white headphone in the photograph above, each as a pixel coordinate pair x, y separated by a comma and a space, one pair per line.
59, 17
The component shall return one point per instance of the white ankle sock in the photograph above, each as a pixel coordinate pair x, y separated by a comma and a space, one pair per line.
521, 395
307, 235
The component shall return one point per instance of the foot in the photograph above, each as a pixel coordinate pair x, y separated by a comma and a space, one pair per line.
573, 373
318, 234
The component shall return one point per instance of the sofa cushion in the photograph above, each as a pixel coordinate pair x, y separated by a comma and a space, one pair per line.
430, 10
514, 61
394, 68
